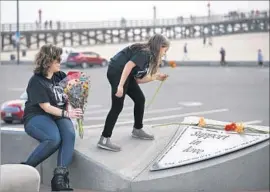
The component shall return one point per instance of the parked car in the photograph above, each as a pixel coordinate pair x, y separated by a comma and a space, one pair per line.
65, 54
85, 60
13, 110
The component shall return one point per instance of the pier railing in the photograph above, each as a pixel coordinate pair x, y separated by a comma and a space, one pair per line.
131, 23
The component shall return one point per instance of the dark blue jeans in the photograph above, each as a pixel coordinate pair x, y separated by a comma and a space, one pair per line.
52, 135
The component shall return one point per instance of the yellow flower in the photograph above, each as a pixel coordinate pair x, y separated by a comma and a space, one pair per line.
201, 122
239, 128
85, 86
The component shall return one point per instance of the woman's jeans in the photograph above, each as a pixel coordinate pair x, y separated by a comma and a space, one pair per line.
52, 135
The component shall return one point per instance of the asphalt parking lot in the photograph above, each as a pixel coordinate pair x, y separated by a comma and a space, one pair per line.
220, 93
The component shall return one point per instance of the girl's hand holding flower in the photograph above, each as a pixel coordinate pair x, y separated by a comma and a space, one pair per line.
161, 76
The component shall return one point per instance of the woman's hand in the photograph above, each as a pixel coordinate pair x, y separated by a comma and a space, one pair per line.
75, 113
120, 91
161, 76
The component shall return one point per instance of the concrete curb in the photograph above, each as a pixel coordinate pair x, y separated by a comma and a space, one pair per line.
217, 64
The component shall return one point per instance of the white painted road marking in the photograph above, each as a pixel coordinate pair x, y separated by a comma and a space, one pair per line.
93, 106
163, 117
252, 122
12, 129
190, 104
17, 89
104, 118
103, 111
131, 114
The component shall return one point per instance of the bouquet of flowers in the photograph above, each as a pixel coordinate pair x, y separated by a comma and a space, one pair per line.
76, 87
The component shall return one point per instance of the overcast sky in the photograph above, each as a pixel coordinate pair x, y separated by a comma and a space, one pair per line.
115, 10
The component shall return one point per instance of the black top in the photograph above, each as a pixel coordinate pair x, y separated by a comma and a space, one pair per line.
140, 57
222, 52
185, 49
43, 90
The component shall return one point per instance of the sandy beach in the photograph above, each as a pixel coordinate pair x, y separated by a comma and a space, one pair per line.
240, 47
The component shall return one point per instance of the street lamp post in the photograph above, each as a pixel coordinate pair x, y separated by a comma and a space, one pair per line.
18, 36
154, 14
40, 16
0, 34
209, 10
209, 20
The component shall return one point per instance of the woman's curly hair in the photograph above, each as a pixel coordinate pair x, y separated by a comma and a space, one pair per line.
45, 57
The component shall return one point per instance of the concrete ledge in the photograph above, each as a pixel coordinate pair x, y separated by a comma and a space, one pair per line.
19, 178
129, 170
85, 173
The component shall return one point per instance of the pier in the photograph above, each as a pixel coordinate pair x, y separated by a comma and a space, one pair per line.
79, 34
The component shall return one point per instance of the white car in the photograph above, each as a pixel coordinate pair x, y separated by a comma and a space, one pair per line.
164, 61
65, 54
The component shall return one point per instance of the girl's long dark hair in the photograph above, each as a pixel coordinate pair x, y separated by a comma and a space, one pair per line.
153, 46
45, 57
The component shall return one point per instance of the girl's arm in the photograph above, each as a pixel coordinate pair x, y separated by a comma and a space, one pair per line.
146, 79
127, 69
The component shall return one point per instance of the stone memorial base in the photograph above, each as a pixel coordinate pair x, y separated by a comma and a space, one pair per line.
181, 158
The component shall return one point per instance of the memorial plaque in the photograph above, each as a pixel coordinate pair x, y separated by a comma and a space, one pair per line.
196, 144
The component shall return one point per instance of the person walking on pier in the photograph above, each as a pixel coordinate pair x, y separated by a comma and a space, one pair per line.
46, 118
260, 58
210, 41
222, 56
46, 24
135, 64
50, 23
185, 57
204, 40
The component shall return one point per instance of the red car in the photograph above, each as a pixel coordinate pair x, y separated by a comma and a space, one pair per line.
13, 110
85, 60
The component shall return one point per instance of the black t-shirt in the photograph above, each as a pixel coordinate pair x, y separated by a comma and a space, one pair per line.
43, 90
185, 49
141, 58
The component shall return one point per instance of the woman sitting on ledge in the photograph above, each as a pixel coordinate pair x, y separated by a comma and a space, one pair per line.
45, 117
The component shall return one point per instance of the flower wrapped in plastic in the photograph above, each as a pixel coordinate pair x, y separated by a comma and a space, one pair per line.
76, 87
